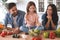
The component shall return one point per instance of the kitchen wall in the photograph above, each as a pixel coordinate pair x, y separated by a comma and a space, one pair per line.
21, 6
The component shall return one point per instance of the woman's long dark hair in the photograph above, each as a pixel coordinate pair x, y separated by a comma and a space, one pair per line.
54, 13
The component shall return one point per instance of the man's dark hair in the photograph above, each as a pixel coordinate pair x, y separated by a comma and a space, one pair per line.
10, 5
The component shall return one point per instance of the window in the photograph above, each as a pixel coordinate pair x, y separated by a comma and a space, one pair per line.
50, 1
57, 2
41, 5
58, 5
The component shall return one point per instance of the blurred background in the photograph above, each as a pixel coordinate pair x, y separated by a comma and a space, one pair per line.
21, 5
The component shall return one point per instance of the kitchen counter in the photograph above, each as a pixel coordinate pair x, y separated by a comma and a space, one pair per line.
28, 37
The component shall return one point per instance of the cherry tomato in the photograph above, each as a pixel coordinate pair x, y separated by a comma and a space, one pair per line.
3, 34
36, 38
9, 33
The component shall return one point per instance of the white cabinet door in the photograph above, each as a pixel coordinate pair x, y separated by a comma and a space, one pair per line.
41, 5
58, 5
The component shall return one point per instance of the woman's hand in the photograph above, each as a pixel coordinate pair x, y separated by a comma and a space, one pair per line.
48, 22
49, 18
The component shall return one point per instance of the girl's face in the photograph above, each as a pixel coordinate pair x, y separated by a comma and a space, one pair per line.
49, 10
32, 8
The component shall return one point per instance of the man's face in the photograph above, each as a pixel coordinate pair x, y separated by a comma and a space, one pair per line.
13, 10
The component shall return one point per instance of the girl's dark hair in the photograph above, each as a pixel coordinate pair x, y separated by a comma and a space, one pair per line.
54, 12
10, 5
30, 4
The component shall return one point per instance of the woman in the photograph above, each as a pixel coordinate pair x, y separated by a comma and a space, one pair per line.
50, 18
31, 18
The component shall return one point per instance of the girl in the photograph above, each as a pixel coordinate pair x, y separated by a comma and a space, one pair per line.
31, 18
50, 18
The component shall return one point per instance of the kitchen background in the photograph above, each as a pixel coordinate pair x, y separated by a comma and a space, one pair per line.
21, 5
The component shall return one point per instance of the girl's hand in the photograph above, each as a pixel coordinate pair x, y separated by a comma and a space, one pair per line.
38, 24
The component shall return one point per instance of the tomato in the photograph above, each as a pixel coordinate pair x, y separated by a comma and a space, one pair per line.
36, 38
40, 38
2, 34
9, 33
33, 38
52, 35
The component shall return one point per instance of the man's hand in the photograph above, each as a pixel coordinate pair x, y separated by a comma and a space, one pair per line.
16, 30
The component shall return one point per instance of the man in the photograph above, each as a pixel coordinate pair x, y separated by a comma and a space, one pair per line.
14, 17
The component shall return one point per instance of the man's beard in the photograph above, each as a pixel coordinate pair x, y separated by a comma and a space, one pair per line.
14, 14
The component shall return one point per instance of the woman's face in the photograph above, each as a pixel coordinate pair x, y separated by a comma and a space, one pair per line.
32, 8
49, 10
